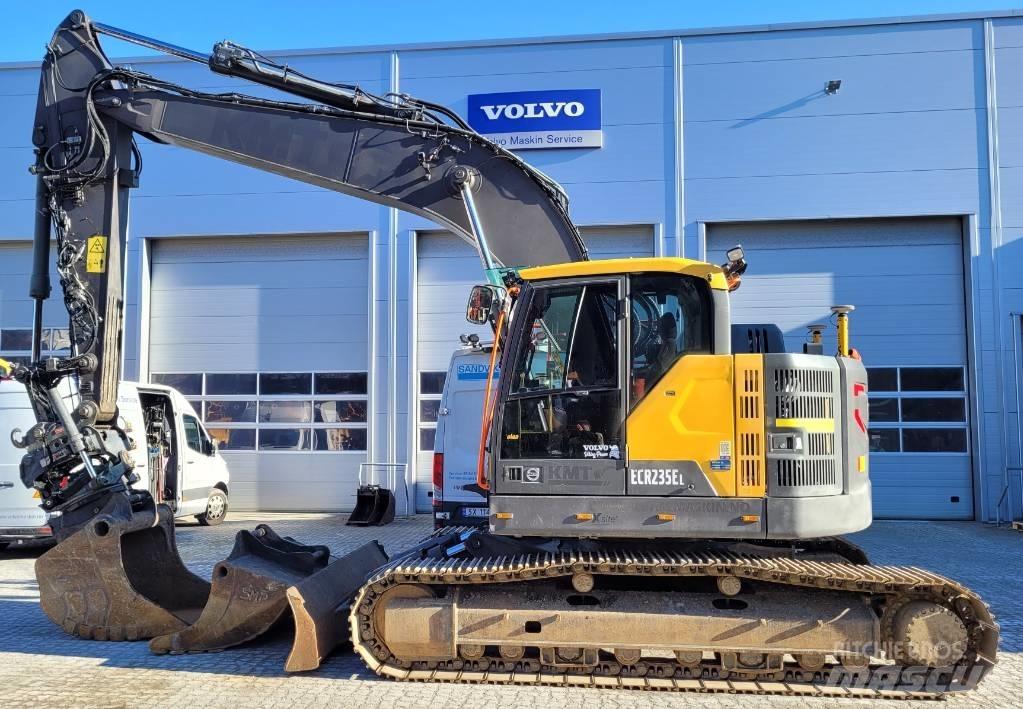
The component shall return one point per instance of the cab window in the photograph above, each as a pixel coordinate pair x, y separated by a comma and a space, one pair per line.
572, 341
670, 317
564, 399
193, 435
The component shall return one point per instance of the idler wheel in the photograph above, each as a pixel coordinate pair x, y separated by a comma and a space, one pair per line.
928, 634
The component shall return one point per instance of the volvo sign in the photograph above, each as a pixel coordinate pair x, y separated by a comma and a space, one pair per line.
521, 120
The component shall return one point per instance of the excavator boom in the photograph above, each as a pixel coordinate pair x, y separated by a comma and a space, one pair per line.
396, 151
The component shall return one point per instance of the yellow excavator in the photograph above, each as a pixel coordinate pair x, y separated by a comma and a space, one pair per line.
666, 488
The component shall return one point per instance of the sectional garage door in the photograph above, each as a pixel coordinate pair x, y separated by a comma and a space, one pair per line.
269, 337
447, 268
16, 307
905, 277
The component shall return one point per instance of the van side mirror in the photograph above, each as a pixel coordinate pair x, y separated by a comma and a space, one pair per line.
210, 445
484, 303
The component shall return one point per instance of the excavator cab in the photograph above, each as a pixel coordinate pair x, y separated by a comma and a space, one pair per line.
623, 411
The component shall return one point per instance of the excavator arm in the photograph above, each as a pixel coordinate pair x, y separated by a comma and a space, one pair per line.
395, 150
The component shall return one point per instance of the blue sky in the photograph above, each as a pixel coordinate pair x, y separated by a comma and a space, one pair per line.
288, 24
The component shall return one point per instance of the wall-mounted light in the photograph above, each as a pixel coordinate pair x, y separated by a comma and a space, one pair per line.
832, 87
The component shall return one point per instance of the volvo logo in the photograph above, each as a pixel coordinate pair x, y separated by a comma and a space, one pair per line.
543, 109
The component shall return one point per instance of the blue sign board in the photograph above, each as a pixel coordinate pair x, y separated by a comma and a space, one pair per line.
521, 120
472, 372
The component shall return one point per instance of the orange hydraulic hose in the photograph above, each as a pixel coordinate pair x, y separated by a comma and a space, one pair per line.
488, 414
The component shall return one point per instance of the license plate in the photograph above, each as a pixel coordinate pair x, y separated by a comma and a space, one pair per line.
475, 511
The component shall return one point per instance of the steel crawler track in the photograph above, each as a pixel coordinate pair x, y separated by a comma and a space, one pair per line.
891, 583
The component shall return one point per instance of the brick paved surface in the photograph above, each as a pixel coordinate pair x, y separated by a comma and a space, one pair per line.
40, 665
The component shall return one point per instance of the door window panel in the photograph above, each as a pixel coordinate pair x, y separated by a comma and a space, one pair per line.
564, 425
339, 439
187, 384
234, 439
884, 440
284, 439
886, 409
220, 411
882, 379
428, 410
931, 379
572, 341
275, 384
230, 384
340, 411
193, 437
285, 411
920, 409
427, 438
934, 440
330, 383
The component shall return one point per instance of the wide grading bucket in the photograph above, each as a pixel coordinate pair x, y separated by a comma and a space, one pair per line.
120, 577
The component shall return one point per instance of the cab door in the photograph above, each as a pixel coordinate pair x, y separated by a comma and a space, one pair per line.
561, 430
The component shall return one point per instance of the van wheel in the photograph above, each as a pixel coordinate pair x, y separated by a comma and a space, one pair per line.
216, 509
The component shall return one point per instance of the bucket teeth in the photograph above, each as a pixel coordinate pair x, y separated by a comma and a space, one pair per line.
248, 594
320, 605
120, 577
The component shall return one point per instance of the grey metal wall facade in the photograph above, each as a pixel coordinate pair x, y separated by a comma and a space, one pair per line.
700, 128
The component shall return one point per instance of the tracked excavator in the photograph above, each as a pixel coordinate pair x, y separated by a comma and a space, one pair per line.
666, 489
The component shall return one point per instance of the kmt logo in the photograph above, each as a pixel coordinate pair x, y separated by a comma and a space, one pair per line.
563, 118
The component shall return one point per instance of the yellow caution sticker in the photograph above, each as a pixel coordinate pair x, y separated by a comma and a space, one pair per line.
96, 254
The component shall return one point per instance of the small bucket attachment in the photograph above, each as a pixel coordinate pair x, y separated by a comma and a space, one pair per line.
120, 577
374, 507
320, 605
248, 592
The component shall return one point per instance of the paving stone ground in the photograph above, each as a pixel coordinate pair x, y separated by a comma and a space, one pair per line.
39, 665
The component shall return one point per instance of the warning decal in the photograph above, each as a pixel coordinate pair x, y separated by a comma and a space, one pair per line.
96, 254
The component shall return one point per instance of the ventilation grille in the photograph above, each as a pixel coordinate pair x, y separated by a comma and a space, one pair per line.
804, 394
751, 457
749, 425
806, 473
820, 443
804, 381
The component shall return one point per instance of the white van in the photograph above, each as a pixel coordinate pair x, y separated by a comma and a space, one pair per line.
457, 498
182, 469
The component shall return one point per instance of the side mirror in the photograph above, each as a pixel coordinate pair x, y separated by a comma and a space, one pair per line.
735, 267
211, 446
484, 304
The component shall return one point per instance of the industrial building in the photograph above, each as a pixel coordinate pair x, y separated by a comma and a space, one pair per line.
875, 163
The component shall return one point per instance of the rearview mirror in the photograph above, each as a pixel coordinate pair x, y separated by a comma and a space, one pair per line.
484, 303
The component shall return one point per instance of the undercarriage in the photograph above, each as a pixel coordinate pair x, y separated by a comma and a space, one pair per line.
702, 616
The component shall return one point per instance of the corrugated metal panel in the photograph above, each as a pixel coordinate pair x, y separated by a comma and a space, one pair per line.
905, 277
260, 303
447, 269
249, 304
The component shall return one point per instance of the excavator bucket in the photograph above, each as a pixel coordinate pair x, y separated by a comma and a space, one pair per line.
320, 605
120, 577
248, 592
374, 507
